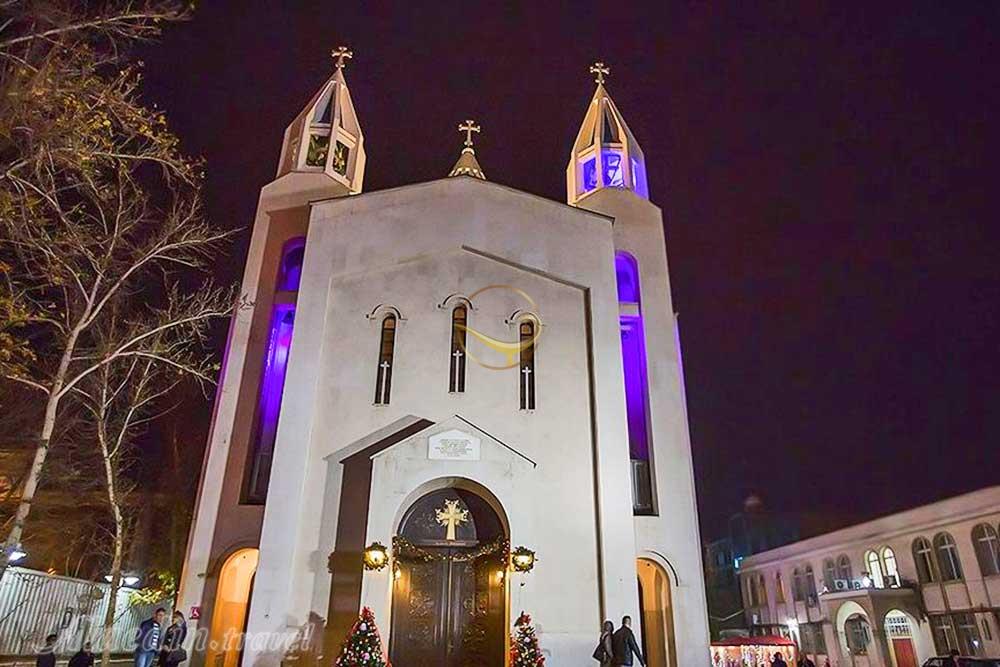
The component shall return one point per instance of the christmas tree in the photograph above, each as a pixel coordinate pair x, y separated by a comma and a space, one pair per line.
524, 651
363, 646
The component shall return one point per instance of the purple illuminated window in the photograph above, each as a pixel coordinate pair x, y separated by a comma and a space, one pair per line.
590, 174
290, 271
614, 169
627, 274
272, 384
636, 385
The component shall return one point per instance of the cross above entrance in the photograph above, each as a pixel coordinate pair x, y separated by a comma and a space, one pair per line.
451, 516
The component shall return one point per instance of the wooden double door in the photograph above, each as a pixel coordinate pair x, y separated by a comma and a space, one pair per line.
448, 611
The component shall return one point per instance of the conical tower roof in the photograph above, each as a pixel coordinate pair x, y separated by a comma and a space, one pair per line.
467, 164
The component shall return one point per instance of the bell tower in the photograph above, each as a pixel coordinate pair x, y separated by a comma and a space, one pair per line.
605, 154
326, 138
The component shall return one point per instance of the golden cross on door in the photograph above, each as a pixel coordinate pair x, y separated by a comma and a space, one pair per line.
340, 54
451, 516
468, 127
601, 70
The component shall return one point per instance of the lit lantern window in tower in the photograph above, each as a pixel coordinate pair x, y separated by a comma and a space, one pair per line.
340, 154
614, 169
590, 174
319, 145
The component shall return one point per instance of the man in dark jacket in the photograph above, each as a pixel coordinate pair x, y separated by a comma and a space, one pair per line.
624, 644
149, 639
47, 656
82, 658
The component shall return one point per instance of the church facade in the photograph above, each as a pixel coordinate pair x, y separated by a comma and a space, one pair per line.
449, 402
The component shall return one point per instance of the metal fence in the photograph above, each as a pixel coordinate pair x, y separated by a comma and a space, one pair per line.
35, 604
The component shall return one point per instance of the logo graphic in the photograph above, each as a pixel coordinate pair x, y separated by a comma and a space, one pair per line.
511, 350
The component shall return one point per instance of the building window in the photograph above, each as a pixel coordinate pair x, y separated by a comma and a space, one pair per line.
874, 569
340, 154
889, 567
812, 639
636, 384
947, 557
984, 539
844, 568
987, 630
589, 171
858, 635
829, 574
383, 373
456, 374
527, 366
944, 634
810, 582
797, 589
779, 588
762, 591
290, 271
924, 559
967, 632
751, 591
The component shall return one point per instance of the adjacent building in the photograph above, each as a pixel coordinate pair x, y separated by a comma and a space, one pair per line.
886, 593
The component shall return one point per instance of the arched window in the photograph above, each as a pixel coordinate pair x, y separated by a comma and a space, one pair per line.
947, 557
984, 539
829, 574
844, 568
810, 585
748, 587
797, 591
874, 566
456, 374
636, 383
272, 375
779, 588
923, 556
889, 567
761, 591
290, 270
526, 376
383, 372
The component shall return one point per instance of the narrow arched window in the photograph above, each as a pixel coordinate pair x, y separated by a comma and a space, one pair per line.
810, 585
890, 567
924, 559
456, 374
797, 592
762, 591
844, 568
874, 569
947, 557
829, 574
383, 374
984, 539
526, 374
779, 588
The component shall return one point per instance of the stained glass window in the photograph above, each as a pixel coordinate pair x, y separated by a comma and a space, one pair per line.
614, 169
383, 373
590, 174
456, 377
319, 145
340, 154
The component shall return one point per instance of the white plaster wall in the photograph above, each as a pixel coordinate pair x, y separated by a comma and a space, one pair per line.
405, 247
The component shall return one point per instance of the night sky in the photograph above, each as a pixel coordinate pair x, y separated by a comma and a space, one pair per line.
828, 176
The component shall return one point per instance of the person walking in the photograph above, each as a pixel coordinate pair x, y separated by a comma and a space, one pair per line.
779, 661
624, 646
149, 638
605, 651
172, 652
82, 658
47, 656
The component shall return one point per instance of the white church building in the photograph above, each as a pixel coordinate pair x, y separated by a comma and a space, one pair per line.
449, 402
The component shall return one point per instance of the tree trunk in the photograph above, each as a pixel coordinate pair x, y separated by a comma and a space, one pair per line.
119, 546
42, 450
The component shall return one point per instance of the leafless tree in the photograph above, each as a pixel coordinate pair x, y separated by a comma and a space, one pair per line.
100, 213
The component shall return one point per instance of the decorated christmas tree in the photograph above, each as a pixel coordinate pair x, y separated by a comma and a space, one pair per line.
524, 651
363, 646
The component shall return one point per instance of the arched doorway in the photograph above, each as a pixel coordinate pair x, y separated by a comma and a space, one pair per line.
229, 614
656, 614
855, 633
909, 642
449, 589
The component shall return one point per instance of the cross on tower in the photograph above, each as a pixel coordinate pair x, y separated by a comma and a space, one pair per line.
600, 70
469, 127
451, 516
340, 54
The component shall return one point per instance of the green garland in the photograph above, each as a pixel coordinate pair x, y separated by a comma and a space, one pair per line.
403, 549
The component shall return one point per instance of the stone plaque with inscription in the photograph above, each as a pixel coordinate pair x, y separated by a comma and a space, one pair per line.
454, 445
